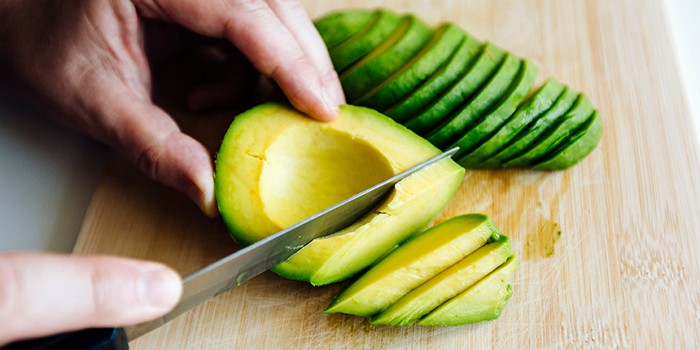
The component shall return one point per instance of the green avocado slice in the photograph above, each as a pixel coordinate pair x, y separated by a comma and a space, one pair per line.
407, 40
535, 105
337, 27
481, 302
466, 115
527, 137
413, 263
583, 143
444, 42
564, 128
447, 284
384, 22
459, 63
483, 69
499, 114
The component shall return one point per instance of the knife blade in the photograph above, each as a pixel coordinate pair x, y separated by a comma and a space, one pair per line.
236, 268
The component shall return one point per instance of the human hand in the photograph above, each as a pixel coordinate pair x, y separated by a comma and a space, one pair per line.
86, 59
44, 294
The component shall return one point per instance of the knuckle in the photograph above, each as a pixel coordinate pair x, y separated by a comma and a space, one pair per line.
9, 289
148, 161
100, 288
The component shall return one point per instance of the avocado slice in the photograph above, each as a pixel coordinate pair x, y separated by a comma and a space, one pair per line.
470, 110
483, 69
483, 301
580, 145
447, 75
436, 52
524, 140
457, 278
339, 26
374, 68
563, 129
270, 174
382, 24
535, 105
413, 263
491, 121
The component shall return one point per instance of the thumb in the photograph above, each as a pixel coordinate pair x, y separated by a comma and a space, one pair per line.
44, 294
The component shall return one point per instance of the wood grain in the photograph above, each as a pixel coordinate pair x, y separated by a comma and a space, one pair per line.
608, 247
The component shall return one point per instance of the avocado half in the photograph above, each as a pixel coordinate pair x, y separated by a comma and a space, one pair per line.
276, 167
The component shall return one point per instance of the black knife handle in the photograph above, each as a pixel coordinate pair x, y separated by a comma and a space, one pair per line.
91, 338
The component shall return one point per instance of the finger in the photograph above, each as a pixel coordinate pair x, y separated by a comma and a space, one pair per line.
44, 294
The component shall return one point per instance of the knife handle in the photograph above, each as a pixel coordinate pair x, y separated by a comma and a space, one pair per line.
91, 338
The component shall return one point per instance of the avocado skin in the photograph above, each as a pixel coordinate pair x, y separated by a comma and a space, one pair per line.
575, 149
335, 28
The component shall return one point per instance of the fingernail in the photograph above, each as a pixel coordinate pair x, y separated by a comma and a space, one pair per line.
330, 103
160, 288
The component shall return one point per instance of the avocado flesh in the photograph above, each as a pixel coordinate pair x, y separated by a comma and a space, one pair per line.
337, 27
388, 57
483, 301
576, 149
436, 52
413, 263
470, 110
364, 41
562, 130
535, 105
485, 68
270, 173
527, 137
457, 278
443, 78
499, 114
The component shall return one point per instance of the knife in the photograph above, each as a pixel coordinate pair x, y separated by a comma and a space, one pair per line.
234, 269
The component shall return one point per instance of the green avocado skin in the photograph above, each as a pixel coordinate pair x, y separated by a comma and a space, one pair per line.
337, 27
534, 106
575, 149
494, 119
484, 68
384, 22
445, 77
436, 53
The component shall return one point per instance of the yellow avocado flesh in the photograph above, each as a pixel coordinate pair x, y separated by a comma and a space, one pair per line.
276, 167
483, 301
414, 263
457, 278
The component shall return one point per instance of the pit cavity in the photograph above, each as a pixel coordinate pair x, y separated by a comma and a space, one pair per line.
308, 170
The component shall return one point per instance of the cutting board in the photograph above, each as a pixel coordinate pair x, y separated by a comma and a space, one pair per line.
608, 247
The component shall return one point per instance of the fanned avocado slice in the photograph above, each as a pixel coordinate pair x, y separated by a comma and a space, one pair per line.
499, 113
383, 23
565, 126
407, 40
583, 143
468, 113
446, 76
337, 27
484, 67
527, 137
436, 52
535, 105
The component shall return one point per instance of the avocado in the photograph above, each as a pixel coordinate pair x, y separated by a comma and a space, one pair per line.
470, 110
526, 137
457, 278
491, 121
483, 301
337, 27
382, 24
562, 129
534, 106
413, 263
271, 173
436, 52
483, 69
446, 76
385, 59
580, 145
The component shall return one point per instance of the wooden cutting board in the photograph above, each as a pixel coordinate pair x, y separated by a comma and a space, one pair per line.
608, 248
